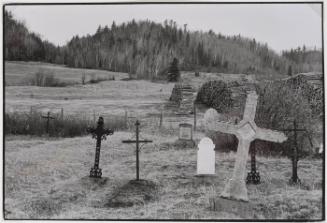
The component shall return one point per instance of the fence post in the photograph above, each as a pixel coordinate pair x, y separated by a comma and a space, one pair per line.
31, 110
194, 112
161, 117
125, 119
94, 118
62, 114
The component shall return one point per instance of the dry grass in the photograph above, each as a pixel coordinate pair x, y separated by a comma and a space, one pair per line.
45, 179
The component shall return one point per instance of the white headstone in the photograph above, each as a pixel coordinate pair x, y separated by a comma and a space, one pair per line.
206, 157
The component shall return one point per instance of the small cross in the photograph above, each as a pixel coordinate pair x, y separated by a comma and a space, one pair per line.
48, 117
295, 157
137, 141
253, 176
99, 133
246, 131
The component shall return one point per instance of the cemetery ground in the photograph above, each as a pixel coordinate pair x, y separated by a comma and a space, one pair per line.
48, 177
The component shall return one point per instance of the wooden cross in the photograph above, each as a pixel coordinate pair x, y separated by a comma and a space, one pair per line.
246, 131
99, 133
137, 141
48, 117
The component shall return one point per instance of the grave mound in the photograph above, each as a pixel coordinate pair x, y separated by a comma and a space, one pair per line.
135, 192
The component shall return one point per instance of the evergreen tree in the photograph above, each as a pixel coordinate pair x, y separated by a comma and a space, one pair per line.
289, 71
173, 72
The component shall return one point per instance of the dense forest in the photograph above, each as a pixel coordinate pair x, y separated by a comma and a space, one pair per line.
146, 49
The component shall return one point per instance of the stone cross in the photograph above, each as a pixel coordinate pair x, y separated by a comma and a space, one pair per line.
206, 157
48, 117
99, 133
137, 142
246, 131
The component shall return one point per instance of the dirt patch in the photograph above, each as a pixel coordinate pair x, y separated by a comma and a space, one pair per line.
133, 193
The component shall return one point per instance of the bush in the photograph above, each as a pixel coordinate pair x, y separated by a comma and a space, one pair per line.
173, 72
43, 79
215, 94
69, 126
277, 108
94, 79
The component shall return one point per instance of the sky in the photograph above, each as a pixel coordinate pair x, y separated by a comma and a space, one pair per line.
281, 26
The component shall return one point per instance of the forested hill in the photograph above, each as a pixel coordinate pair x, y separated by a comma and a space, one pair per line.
146, 49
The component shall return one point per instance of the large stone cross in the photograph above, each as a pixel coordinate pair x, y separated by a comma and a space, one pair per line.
246, 132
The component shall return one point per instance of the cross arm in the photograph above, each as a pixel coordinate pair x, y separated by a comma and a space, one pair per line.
221, 127
270, 135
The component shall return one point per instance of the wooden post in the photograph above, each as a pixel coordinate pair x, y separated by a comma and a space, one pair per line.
295, 178
94, 116
161, 117
125, 119
62, 114
194, 112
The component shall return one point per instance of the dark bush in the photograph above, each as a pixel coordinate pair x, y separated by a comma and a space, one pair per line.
69, 126
215, 94
44, 78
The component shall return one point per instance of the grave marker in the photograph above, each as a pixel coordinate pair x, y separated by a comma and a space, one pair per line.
246, 131
253, 176
48, 117
137, 142
206, 157
99, 133
185, 131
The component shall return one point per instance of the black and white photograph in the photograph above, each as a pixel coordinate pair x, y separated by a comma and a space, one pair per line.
178, 111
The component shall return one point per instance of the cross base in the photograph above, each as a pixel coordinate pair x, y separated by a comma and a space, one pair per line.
294, 182
235, 189
95, 172
253, 177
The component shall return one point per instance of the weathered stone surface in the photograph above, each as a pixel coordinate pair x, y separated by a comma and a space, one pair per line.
206, 157
246, 131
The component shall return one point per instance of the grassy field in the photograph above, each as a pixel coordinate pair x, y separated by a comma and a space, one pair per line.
46, 179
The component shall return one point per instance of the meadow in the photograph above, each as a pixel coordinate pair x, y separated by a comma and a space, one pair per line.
46, 177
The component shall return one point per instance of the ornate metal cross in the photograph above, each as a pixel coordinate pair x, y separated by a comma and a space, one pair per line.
99, 133
253, 176
48, 117
246, 131
137, 141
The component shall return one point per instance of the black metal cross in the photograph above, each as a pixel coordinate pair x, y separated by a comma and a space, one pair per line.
137, 141
48, 117
253, 176
295, 157
99, 133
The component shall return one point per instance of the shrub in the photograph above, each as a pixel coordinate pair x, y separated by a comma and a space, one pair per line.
94, 79
43, 79
69, 126
173, 72
215, 94
278, 107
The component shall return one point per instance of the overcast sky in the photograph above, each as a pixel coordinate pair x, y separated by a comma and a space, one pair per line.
282, 26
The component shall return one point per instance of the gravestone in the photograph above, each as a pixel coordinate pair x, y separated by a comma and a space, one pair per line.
185, 136
246, 131
206, 157
185, 131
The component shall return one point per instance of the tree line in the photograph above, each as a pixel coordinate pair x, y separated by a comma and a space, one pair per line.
146, 49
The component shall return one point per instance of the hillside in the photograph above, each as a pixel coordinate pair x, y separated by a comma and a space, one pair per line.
146, 49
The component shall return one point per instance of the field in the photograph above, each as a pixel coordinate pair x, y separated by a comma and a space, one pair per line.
47, 177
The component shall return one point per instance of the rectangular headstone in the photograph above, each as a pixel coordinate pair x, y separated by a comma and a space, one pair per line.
185, 131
